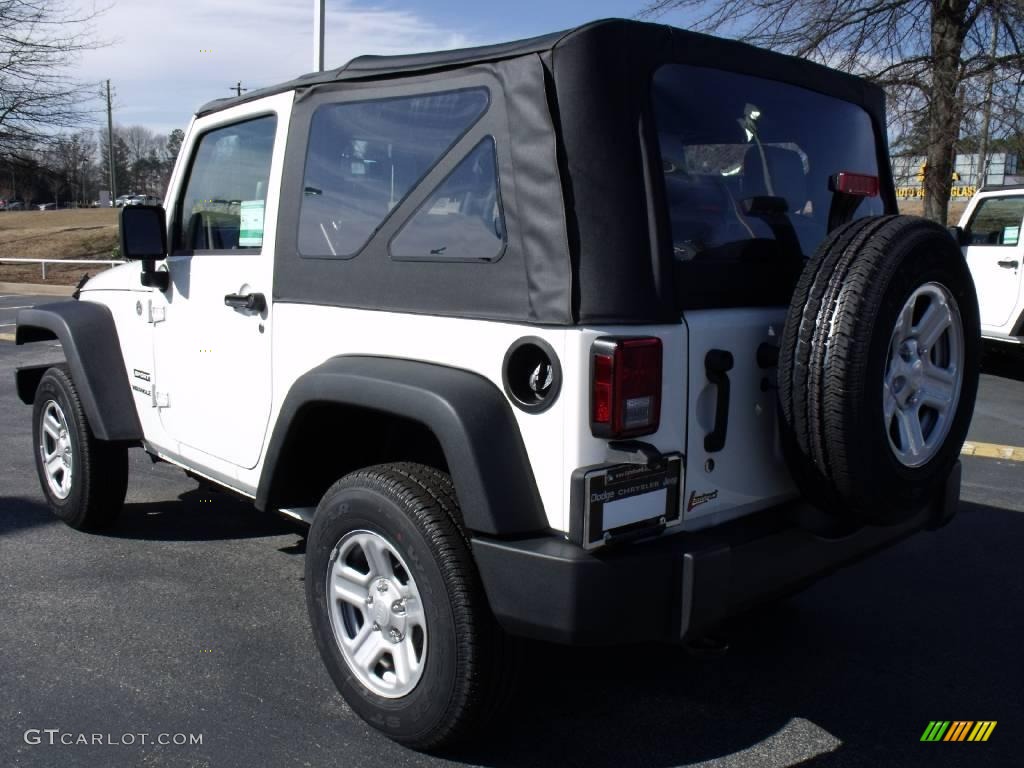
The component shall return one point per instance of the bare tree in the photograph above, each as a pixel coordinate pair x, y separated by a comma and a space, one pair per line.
142, 143
933, 56
72, 159
40, 40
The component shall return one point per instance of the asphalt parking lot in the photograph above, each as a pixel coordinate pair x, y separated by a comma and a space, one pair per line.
9, 306
189, 618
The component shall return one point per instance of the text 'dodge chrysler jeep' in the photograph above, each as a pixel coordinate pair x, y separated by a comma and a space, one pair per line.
616, 320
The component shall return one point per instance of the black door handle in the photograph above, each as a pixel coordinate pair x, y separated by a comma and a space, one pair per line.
1008, 263
717, 364
250, 302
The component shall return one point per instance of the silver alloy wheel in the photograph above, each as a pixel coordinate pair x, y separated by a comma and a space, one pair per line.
921, 389
376, 614
55, 449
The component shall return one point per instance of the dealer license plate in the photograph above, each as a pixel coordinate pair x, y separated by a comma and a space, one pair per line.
625, 498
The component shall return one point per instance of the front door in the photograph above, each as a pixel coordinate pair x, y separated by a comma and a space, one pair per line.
994, 256
212, 334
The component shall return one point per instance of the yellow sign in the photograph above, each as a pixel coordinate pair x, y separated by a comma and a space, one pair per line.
924, 167
909, 193
914, 193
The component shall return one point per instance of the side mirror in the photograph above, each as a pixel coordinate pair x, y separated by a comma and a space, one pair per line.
958, 235
144, 238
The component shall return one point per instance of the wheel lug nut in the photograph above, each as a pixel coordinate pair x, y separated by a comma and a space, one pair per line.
382, 586
396, 635
398, 606
369, 599
376, 627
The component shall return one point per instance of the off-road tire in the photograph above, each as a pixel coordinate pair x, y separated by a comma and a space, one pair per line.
99, 476
466, 673
834, 357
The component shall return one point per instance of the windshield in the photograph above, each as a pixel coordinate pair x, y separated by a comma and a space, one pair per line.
747, 164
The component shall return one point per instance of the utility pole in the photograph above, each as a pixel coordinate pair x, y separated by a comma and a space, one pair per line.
110, 146
318, 35
237, 88
986, 117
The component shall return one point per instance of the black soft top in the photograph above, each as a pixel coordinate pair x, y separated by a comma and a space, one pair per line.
588, 242
620, 34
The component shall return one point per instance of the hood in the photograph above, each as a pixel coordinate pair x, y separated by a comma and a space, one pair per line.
123, 277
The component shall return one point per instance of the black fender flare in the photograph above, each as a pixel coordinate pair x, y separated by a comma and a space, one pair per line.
469, 416
92, 349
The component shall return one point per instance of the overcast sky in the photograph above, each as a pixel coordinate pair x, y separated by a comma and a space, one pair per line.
169, 56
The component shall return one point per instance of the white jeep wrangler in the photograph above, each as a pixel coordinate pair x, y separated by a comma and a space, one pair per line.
990, 234
613, 322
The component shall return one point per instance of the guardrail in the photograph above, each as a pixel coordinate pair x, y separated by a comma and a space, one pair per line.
43, 262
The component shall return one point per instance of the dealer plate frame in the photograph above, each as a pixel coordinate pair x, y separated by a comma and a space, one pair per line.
591, 486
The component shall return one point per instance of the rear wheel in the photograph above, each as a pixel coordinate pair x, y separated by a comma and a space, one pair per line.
397, 607
878, 369
84, 479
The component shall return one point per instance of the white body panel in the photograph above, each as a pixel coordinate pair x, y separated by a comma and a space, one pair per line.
212, 363
998, 287
474, 345
749, 473
479, 346
999, 284
121, 290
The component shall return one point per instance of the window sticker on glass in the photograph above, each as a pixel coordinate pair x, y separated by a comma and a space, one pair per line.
251, 233
1011, 235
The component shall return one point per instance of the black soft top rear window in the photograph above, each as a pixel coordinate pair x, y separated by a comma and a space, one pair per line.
746, 163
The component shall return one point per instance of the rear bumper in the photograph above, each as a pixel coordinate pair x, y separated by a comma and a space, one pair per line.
678, 585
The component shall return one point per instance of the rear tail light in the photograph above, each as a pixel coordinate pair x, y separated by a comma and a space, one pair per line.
625, 376
859, 184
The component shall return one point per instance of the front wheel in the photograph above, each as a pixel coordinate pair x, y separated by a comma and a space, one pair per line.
397, 608
84, 479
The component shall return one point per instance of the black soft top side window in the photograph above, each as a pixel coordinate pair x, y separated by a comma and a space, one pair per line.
364, 157
461, 220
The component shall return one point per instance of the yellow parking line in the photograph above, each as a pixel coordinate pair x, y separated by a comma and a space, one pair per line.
993, 451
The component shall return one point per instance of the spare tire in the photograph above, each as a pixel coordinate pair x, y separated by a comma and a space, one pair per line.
878, 369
